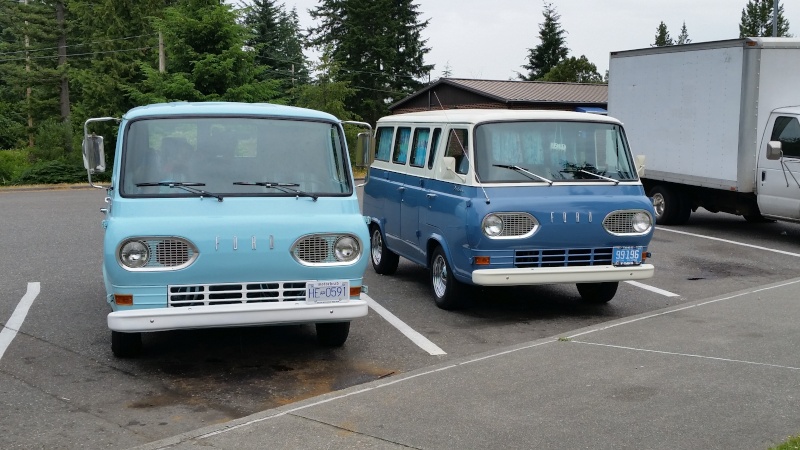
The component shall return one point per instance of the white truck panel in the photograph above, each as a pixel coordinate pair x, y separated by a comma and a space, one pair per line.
681, 109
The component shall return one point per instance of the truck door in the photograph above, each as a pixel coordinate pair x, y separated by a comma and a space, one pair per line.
398, 179
779, 180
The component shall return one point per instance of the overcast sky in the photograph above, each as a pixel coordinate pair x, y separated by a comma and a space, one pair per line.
489, 39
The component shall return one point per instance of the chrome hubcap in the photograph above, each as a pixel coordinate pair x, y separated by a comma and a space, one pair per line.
658, 204
439, 276
377, 246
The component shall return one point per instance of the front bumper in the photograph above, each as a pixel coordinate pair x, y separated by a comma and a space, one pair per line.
551, 275
279, 313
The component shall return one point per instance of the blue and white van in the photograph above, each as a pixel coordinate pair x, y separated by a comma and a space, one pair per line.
507, 197
229, 214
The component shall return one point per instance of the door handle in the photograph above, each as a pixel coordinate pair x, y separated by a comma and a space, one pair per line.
763, 175
401, 188
430, 196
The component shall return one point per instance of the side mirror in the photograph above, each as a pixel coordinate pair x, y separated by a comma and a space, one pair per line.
363, 154
94, 158
774, 151
638, 161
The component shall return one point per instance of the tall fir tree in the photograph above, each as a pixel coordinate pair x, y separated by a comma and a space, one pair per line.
29, 72
757, 19
378, 47
662, 36
683, 38
551, 49
276, 38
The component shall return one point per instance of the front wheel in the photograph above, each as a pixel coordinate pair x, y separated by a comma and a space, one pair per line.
598, 292
384, 261
448, 293
126, 345
332, 334
671, 207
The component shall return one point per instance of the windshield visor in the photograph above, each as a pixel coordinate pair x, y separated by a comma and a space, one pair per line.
516, 152
230, 156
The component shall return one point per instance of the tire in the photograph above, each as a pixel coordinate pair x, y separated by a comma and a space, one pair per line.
671, 207
332, 334
126, 345
598, 293
384, 261
757, 218
448, 293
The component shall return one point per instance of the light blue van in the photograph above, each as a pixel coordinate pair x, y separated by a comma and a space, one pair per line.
507, 197
229, 214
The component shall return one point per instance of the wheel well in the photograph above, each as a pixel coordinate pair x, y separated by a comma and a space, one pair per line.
430, 247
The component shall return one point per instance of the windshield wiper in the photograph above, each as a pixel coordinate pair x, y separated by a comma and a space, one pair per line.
186, 186
284, 187
525, 172
599, 176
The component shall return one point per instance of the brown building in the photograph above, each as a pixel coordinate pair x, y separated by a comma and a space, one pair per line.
459, 93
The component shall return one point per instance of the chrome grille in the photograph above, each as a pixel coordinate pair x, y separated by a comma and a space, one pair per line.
169, 253
235, 293
516, 224
621, 222
315, 249
570, 257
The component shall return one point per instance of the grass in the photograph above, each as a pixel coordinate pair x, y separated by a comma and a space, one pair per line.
793, 443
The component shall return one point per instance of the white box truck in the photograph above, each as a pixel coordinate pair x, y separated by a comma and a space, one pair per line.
717, 123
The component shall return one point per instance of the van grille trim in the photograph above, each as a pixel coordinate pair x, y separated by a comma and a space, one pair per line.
235, 293
570, 257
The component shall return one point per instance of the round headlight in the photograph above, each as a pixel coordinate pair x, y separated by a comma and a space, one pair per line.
642, 222
492, 225
346, 249
134, 254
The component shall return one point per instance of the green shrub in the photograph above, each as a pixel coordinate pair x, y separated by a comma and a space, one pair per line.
56, 172
53, 140
12, 164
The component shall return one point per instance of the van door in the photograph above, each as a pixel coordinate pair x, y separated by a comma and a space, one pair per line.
398, 178
779, 180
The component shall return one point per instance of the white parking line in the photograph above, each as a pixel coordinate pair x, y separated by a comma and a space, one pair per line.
13, 325
421, 341
653, 289
783, 252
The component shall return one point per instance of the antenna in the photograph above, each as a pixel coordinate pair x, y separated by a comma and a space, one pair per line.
463, 150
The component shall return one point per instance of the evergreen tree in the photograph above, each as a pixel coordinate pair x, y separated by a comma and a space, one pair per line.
552, 48
278, 43
757, 20
378, 47
683, 38
29, 73
575, 70
662, 36
206, 59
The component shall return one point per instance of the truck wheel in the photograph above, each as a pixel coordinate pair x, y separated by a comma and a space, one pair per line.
598, 293
384, 261
448, 293
670, 206
126, 345
332, 334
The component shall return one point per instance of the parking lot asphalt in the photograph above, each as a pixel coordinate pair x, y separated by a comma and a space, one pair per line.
722, 373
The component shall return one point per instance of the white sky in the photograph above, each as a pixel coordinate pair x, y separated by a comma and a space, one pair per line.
489, 39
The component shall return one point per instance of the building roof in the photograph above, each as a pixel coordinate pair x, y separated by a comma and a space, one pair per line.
510, 91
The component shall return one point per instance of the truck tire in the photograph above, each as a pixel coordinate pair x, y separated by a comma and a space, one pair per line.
126, 345
384, 261
448, 293
332, 334
597, 293
670, 206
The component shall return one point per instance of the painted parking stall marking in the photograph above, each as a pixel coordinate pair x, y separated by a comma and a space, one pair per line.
421, 341
13, 325
782, 252
653, 289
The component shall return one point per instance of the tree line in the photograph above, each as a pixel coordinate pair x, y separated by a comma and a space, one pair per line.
63, 61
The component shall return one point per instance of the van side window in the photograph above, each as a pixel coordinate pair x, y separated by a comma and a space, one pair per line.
420, 146
401, 145
457, 146
787, 131
383, 143
437, 132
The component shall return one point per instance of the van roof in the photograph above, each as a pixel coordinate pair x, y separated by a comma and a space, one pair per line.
225, 109
492, 115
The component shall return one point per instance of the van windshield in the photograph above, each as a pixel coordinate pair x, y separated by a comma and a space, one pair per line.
230, 156
538, 151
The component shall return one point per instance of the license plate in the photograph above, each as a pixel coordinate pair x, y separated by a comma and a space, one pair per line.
626, 256
331, 291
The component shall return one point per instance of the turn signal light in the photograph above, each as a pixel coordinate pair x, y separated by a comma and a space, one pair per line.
355, 291
482, 260
123, 299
